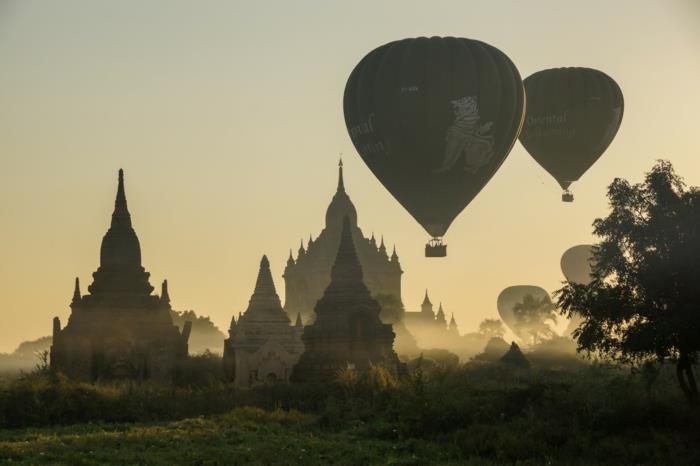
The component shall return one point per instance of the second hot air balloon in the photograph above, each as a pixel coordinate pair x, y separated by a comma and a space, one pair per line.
433, 119
577, 263
577, 266
572, 116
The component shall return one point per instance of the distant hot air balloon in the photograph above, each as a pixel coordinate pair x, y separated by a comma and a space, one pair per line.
434, 119
572, 116
576, 263
513, 295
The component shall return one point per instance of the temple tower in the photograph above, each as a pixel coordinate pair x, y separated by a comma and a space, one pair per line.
119, 330
347, 331
307, 276
263, 345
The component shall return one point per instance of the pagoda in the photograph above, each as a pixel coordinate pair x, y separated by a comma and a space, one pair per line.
307, 276
262, 346
119, 330
347, 331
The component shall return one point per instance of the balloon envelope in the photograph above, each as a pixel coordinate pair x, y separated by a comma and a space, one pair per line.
513, 295
576, 264
572, 116
433, 119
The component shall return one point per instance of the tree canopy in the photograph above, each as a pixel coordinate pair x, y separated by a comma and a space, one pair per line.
532, 314
492, 328
644, 299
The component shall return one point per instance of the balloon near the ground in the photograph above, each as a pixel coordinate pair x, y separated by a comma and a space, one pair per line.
576, 264
510, 297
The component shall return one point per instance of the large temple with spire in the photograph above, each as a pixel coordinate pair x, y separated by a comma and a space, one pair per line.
119, 329
262, 346
307, 276
347, 332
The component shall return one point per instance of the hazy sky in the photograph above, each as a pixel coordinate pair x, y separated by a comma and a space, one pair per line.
227, 119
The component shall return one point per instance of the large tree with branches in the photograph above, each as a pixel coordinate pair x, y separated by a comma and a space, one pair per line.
644, 300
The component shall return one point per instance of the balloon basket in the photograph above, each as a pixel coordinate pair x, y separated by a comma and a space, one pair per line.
567, 196
435, 248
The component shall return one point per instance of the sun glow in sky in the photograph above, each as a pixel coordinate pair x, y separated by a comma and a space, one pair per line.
227, 119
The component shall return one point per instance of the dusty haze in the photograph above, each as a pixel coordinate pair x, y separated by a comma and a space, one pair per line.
228, 122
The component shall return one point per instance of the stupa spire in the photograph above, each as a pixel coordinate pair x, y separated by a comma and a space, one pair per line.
164, 296
301, 249
264, 285
298, 322
346, 271
341, 184
290, 259
440, 317
426, 300
382, 247
264, 303
76, 292
120, 216
394, 256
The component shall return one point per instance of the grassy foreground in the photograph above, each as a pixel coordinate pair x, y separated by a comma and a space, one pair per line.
473, 414
243, 436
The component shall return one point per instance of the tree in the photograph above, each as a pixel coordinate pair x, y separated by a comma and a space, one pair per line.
532, 314
644, 300
491, 328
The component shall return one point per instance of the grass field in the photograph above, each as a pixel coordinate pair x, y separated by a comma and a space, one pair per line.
477, 414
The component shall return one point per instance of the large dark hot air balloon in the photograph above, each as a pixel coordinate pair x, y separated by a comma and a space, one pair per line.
572, 116
434, 119
513, 295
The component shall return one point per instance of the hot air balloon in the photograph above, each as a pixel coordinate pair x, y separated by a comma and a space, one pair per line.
433, 119
572, 116
513, 295
576, 263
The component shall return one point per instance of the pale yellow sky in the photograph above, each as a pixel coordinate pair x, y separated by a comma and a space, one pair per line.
227, 118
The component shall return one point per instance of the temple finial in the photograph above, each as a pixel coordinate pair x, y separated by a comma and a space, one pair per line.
426, 300
76, 292
121, 216
298, 322
264, 284
290, 260
164, 296
341, 184
301, 249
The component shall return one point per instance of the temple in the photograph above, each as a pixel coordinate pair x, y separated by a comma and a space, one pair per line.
262, 346
307, 276
119, 330
430, 327
347, 332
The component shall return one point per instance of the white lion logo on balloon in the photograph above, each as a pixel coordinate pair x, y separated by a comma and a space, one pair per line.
465, 137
